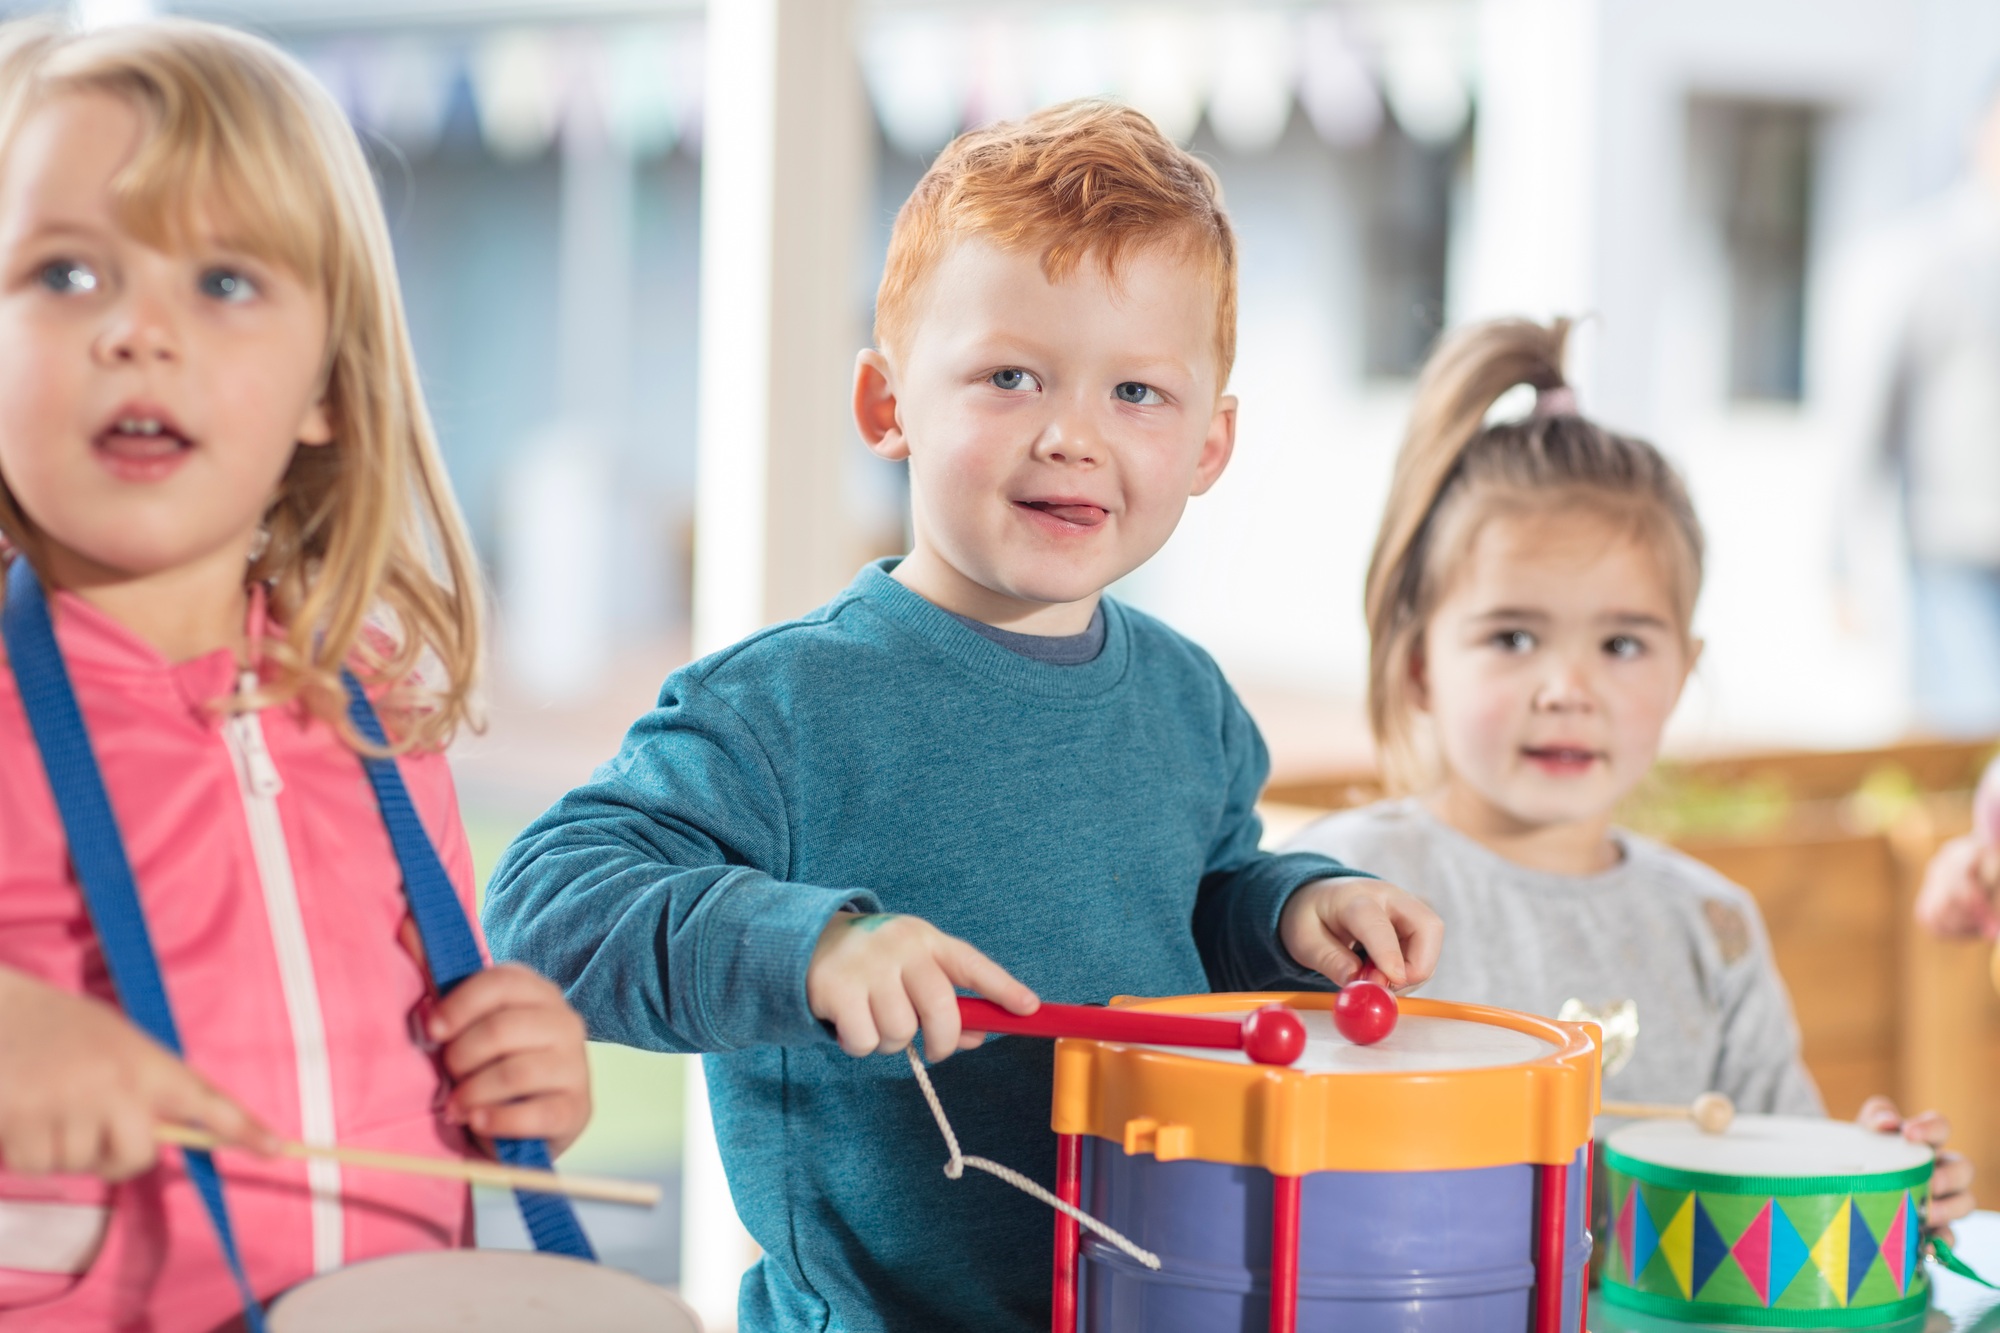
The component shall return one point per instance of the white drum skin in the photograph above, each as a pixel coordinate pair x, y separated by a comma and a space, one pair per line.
480, 1291
1770, 1145
1418, 1045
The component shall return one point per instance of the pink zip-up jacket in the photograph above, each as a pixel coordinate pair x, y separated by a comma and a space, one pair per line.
275, 904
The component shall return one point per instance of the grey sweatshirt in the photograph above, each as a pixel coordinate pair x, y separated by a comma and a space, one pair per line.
1659, 929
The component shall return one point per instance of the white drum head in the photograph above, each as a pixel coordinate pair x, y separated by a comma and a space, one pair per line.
1418, 1044
1770, 1145
487, 1291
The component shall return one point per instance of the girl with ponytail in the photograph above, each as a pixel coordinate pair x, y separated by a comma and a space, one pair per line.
1530, 606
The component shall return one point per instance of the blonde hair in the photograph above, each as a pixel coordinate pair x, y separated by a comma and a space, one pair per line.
368, 565
1455, 472
1088, 177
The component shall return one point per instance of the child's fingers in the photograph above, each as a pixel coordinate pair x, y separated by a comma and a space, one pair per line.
509, 1031
854, 1028
502, 986
129, 1146
1951, 1191
28, 1147
1879, 1114
1929, 1128
965, 966
895, 1017
554, 1116
1327, 956
1422, 932
526, 1074
937, 1010
1368, 921
189, 1100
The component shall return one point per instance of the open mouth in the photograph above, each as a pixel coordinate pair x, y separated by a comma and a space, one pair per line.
1562, 758
1073, 513
141, 447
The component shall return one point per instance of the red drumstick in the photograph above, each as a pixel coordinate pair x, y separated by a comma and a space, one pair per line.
1272, 1035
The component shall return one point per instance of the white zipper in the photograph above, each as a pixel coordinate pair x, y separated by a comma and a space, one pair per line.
257, 779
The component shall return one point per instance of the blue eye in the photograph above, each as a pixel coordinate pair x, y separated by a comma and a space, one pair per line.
226, 284
66, 276
1139, 395
1012, 379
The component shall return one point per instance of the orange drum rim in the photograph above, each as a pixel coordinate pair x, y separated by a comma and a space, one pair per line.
1291, 1123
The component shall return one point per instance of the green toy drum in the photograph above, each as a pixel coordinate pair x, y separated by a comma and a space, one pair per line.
1781, 1222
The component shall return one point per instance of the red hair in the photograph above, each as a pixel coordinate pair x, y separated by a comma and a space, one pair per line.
1085, 178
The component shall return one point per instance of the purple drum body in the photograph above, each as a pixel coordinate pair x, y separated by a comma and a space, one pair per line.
1379, 1252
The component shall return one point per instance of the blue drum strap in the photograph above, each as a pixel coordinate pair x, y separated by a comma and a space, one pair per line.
98, 854
454, 956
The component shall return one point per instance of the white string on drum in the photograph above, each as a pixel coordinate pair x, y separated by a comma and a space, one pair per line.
955, 1168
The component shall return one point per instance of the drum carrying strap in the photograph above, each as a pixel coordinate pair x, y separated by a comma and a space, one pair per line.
453, 954
98, 854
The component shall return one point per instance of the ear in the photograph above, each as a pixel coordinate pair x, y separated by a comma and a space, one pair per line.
1420, 680
876, 412
317, 427
1218, 446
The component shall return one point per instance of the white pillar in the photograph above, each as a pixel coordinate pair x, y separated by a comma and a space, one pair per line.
785, 176
786, 172
1534, 243
567, 544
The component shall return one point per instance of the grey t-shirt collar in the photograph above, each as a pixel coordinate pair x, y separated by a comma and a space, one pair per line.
1053, 649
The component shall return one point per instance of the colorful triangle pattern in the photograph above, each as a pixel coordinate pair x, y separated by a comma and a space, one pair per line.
1740, 1250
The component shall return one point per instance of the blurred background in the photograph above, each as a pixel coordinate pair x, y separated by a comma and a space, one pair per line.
640, 239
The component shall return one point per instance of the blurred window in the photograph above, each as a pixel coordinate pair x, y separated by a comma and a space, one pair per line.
1408, 194
1762, 154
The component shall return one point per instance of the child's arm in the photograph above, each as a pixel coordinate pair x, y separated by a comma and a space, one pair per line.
81, 1088
659, 898
1264, 919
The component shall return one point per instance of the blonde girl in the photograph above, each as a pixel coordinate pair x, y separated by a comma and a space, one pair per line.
219, 492
1530, 606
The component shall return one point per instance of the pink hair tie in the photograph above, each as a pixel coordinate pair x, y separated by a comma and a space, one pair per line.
1556, 401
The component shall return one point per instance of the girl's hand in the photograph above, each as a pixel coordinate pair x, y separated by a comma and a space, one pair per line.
1323, 922
514, 1050
1957, 897
81, 1088
879, 978
1951, 1177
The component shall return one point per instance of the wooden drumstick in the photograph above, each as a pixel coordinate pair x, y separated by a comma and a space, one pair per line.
1711, 1112
635, 1193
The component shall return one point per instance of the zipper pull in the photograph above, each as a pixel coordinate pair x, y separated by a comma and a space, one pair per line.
258, 766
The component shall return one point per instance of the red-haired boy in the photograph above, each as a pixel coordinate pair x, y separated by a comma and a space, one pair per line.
968, 768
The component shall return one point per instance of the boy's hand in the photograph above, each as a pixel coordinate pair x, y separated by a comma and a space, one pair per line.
1951, 1177
879, 978
81, 1088
514, 1050
1957, 897
1324, 920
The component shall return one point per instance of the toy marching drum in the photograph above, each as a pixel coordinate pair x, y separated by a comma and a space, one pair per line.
1435, 1180
1779, 1221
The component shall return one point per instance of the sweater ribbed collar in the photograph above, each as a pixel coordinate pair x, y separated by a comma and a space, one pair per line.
971, 651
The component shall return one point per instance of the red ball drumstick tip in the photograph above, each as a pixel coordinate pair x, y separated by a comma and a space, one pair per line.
1273, 1035
1365, 1012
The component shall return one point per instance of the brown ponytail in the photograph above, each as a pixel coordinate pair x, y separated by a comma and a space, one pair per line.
1454, 470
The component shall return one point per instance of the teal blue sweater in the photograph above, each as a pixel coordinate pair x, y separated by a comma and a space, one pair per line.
1089, 827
